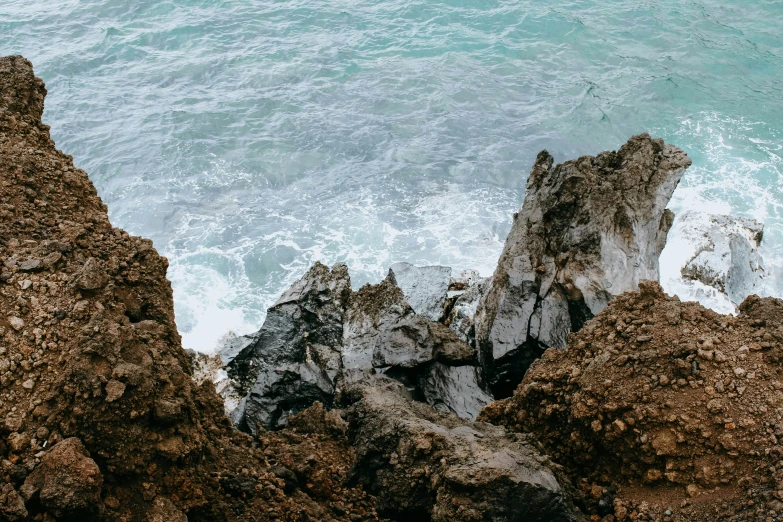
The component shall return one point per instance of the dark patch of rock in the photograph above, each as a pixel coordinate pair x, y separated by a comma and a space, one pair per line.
429, 466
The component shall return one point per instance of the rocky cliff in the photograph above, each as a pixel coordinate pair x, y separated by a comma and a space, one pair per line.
99, 415
359, 404
102, 417
589, 229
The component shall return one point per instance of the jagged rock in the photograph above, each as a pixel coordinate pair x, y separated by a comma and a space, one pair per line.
724, 253
421, 463
448, 348
382, 330
589, 229
383, 333
454, 388
11, 505
277, 373
424, 287
232, 345
462, 314
67, 482
464, 280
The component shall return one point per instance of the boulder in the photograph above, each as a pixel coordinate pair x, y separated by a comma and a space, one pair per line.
721, 252
11, 505
276, 373
67, 482
589, 229
424, 287
454, 388
425, 465
384, 335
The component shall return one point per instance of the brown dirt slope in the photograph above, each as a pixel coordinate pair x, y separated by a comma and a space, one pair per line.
89, 350
671, 406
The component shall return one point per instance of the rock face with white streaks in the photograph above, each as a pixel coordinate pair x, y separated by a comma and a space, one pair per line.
589, 229
725, 253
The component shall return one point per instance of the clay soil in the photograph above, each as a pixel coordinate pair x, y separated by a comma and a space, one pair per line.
663, 410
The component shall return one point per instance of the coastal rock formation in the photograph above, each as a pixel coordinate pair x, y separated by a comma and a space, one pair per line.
425, 287
100, 418
287, 368
463, 311
463, 471
320, 336
589, 229
666, 404
724, 253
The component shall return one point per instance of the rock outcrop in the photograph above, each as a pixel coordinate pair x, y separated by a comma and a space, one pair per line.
425, 288
320, 337
100, 418
294, 359
724, 253
668, 404
589, 229
462, 471
463, 312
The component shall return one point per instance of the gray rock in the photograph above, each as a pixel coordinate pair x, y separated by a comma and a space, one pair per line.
472, 468
381, 330
232, 345
589, 229
725, 253
454, 388
31, 265
276, 372
424, 287
462, 314
283, 390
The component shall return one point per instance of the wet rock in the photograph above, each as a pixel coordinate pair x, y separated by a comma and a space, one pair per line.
91, 277
589, 229
462, 314
424, 287
12, 507
423, 464
284, 389
276, 373
381, 329
724, 253
454, 388
67, 482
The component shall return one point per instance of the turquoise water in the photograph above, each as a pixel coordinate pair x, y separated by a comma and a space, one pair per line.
249, 139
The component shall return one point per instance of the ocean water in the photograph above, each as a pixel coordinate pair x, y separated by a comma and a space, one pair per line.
251, 138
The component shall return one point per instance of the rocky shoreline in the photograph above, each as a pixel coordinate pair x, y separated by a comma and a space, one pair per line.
598, 397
